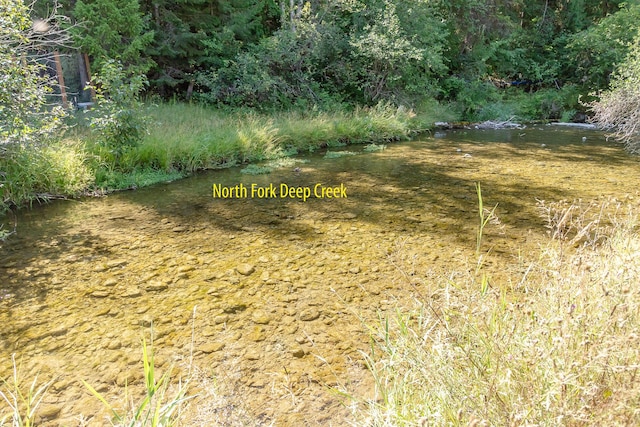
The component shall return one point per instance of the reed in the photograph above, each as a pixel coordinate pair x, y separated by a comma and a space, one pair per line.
23, 403
157, 408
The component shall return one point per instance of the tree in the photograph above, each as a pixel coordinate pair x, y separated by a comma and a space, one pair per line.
194, 35
113, 30
25, 46
400, 42
594, 52
619, 108
330, 52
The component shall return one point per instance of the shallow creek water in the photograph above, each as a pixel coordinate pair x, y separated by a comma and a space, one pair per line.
260, 300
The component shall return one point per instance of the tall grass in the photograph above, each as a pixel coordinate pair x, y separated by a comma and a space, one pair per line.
30, 173
184, 138
156, 408
23, 402
190, 137
556, 345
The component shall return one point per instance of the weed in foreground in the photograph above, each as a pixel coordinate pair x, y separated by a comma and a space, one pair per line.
561, 348
157, 408
23, 404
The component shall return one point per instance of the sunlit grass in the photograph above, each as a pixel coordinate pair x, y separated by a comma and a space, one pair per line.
32, 173
157, 408
23, 400
184, 138
556, 345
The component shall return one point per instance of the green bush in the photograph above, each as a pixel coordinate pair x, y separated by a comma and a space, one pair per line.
25, 116
117, 119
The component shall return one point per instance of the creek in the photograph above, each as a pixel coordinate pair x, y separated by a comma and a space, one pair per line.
260, 300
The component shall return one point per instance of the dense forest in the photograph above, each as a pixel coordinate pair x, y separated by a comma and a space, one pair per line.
479, 56
271, 54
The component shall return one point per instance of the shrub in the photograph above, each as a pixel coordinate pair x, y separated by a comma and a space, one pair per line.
619, 108
24, 83
117, 119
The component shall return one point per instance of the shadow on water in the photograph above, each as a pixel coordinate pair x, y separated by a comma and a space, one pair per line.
422, 186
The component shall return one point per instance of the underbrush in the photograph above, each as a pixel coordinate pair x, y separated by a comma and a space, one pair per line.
557, 344
480, 101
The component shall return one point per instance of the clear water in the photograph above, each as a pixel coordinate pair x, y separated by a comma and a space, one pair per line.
83, 281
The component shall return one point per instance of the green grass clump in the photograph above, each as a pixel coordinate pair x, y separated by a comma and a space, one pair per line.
271, 165
108, 179
256, 170
558, 344
23, 402
35, 172
157, 408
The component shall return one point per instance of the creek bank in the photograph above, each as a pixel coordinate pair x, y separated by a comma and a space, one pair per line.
185, 139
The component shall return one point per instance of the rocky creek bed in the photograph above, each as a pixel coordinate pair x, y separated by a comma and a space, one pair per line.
259, 301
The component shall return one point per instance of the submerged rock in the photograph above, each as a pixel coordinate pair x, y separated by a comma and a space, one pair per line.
47, 412
233, 306
155, 286
260, 317
309, 314
212, 347
245, 269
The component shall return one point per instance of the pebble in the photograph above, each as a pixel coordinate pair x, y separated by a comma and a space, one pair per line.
223, 318
209, 332
309, 314
354, 270
127, 377
154, 286
179, 229
245, 269
102, 311
260, 317
132, 293
47, 412
100, 293
110, 282
233, 306
256, 334
114, 345
116, 263
185, 268
212, 347
252, 355
297, 352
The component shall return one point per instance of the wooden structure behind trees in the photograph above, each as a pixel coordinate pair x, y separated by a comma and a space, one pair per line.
60, 75
73, 76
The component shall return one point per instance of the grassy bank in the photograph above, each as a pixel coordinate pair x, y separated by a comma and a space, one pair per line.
557, 344
184, 138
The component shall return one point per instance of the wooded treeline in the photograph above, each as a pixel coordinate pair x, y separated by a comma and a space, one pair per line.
291, 53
